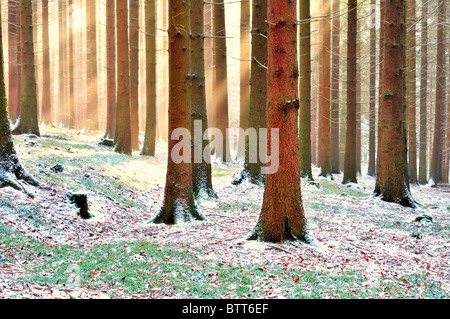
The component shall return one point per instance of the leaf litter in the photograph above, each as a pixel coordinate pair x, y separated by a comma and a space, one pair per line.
354, 232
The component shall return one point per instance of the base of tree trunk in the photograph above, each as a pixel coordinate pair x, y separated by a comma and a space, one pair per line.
258, 235
405, 201
177, 212
245, 174
14, 175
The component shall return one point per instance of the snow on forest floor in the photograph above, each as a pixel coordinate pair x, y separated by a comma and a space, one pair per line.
363, 248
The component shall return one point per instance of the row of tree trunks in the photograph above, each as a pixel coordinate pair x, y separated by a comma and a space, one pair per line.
12, 174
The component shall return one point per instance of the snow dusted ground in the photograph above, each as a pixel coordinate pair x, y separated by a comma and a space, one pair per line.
353, 230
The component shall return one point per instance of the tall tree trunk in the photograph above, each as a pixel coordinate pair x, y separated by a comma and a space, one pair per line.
411, 88
335, 91
325, 96
123, 126
149, 147
12, 174
244, 72
28, 116
305, 90
282, 214
92, 73
423, 94
350, 163
62, 36
258, 96
71, 108
438, 136
201, 154
392, 184
207, 12
111, 74
373, 82
14, 58
134, 72
46, 113
179, 205
358, 99
221, 86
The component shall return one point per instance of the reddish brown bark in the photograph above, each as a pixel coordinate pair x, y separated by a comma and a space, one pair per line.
179, 205
14, 59
282, 215
134, 72
28, 115
392, 182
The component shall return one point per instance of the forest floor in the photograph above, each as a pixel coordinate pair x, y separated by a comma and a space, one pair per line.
363, 247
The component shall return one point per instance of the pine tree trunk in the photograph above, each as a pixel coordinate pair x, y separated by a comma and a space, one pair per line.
123, 126
258, 96
221, 77
305, 90
28, 116
111, 70
373, 82
71, 108
92, 73
179, 205
134, 72
411, 88
335, 92
282, 214
62, 36
438, 136
392, 184
324, 138
149, 147
423, 94
350, 163
11, 171
201, 165
245, 49
46, 115
14, 58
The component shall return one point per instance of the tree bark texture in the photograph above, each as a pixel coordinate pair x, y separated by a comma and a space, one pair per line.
282, 214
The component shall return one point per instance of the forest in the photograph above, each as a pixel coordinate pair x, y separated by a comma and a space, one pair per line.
250, 149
